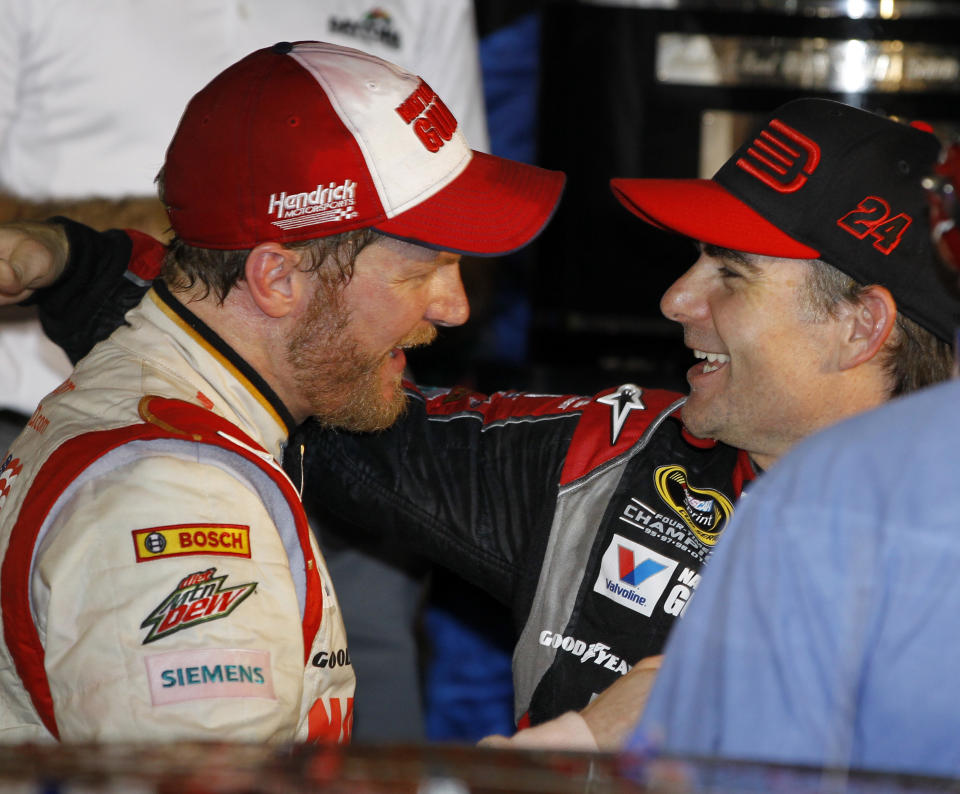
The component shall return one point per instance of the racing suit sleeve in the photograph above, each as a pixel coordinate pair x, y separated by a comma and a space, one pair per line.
107, 274
467, 480
203, 642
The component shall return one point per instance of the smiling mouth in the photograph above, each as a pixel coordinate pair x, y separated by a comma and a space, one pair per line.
714, 360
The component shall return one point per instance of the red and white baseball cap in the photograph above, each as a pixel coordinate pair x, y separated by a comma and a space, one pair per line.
307, 140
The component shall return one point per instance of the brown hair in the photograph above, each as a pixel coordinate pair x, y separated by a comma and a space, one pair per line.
913, 356
219, 271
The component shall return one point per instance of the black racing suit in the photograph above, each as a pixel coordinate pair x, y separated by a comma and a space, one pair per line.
589, 516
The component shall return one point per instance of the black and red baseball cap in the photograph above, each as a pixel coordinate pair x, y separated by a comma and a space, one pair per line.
819, 180
306, 140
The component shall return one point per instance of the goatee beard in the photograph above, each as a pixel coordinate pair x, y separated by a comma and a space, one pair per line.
344, 383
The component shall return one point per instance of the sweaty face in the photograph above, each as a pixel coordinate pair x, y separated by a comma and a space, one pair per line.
348, 353
761, 382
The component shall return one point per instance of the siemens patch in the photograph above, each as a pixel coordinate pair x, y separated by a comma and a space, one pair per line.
209, 673
181, 540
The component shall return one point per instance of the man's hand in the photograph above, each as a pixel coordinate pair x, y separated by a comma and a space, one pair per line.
32, 255
566, 732
614, 713
604, 724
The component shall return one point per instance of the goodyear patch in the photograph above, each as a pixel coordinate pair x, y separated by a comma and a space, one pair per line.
181, 540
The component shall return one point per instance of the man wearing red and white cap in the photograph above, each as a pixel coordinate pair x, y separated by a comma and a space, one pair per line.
159, 579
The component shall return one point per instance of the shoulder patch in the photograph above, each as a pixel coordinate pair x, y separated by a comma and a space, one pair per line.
201, 673
612, 422
180, 540
198, 598
624, 400
705, 511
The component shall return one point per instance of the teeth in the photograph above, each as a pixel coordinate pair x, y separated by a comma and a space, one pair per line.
712, 357
719, 359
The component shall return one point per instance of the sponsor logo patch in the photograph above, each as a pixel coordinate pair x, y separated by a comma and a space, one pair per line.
633, 575
324, 204
374, 26
198, 598
209, 673
781, 157
38, 421
9, 471
332, 659
330, 720
430, 118
597, 653
622, 402
705, 511
181, 540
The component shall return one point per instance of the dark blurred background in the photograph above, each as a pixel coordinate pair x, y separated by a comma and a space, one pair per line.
655, 88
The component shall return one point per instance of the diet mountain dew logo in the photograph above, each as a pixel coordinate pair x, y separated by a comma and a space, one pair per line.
705, 511
198, 598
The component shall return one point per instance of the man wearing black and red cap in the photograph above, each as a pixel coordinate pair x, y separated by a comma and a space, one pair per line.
824, 632
814, 298
159, 579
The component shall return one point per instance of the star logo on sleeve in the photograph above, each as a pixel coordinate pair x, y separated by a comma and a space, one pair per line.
624, 400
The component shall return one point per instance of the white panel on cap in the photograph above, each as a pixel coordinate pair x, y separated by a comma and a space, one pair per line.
365, 92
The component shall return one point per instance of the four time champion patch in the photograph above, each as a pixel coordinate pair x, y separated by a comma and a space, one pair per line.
705, 511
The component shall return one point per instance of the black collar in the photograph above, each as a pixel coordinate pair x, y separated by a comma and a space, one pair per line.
211, 338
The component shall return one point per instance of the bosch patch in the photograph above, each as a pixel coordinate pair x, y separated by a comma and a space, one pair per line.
180, 540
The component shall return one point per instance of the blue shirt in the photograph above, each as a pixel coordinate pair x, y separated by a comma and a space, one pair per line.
826, 630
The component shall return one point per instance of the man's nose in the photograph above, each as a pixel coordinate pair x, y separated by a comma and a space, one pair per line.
449, 305
685, 300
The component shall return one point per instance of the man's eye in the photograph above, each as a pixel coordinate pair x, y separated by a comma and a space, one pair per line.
725, 272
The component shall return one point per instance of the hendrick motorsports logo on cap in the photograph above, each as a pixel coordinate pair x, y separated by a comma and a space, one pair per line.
334, 202
633, 575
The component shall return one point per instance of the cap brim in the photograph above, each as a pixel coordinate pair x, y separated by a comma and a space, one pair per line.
495, 206
705, 211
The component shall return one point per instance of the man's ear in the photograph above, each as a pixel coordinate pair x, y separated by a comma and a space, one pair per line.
272, 275
869, 322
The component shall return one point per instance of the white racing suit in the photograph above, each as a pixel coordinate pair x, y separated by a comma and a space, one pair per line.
159, 580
